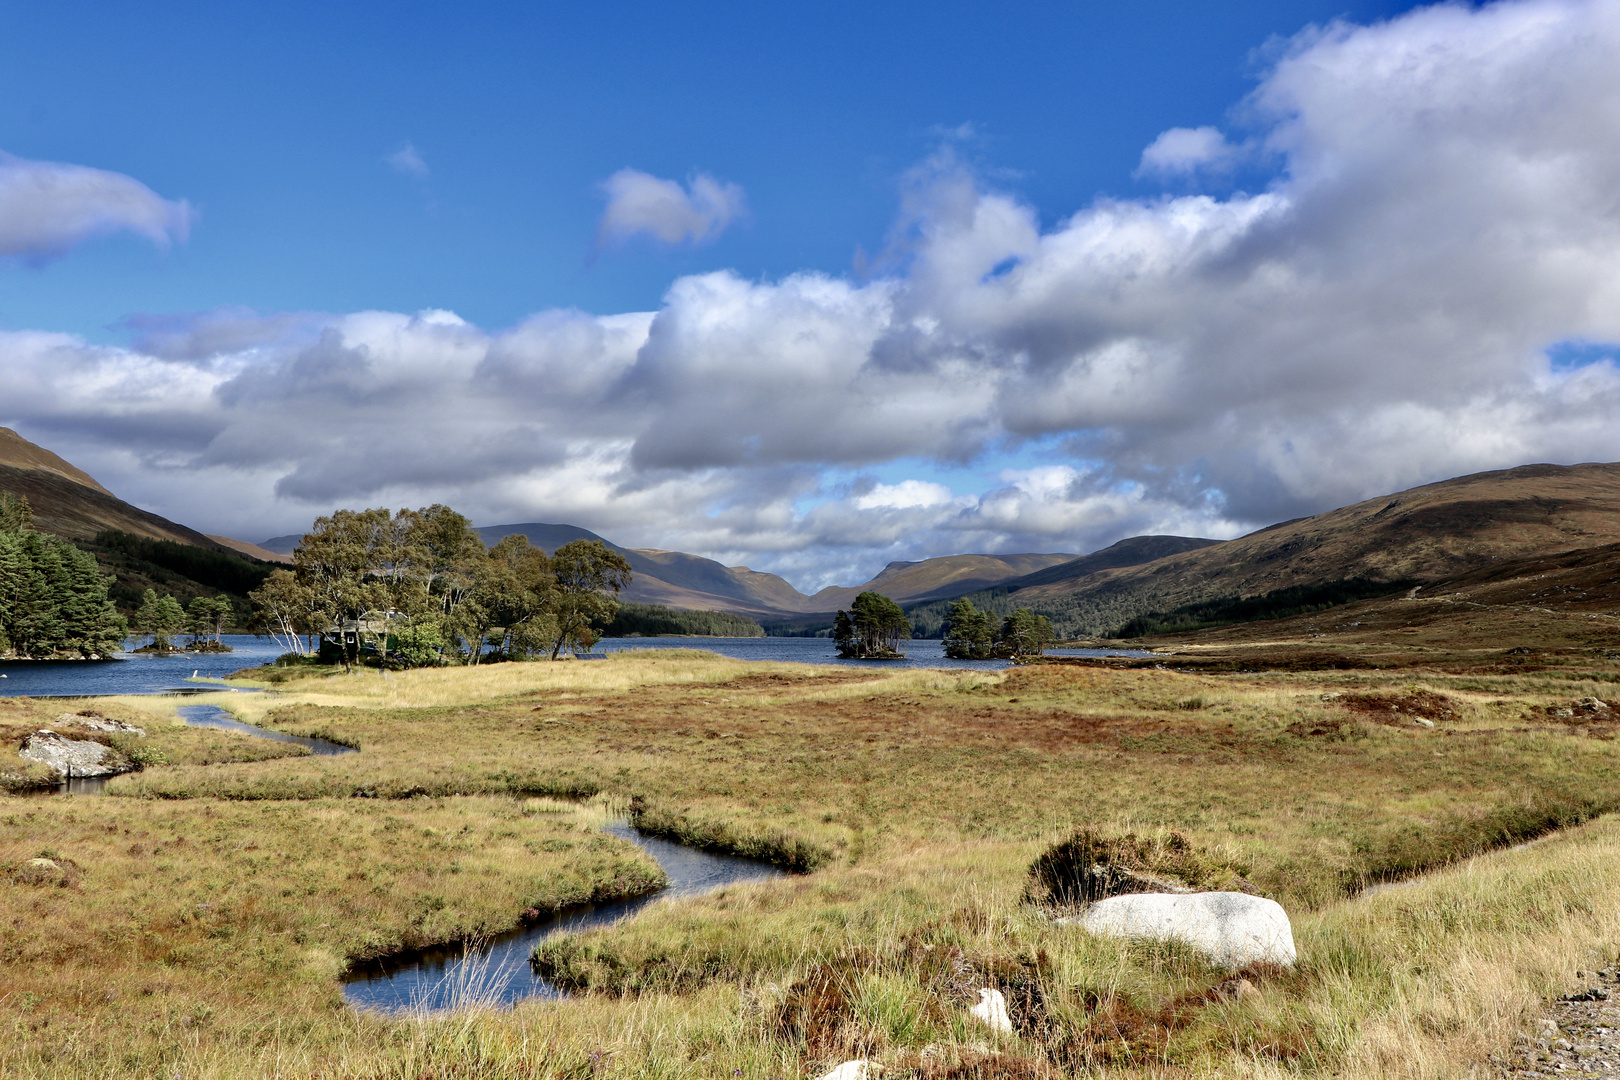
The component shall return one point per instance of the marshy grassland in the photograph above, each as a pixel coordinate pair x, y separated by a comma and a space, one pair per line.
206, 905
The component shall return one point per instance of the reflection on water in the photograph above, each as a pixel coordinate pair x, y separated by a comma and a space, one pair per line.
499, 973
80, 785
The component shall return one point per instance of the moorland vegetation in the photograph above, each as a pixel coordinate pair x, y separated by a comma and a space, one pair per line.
201, 912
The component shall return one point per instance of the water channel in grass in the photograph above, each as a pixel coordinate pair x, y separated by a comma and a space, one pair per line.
499, 972
209, 716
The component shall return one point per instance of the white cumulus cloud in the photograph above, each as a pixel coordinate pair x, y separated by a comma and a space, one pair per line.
47, 208
640, 204
1179, 151
1379, 315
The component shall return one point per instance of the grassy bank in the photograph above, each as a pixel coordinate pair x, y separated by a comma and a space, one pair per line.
918, 798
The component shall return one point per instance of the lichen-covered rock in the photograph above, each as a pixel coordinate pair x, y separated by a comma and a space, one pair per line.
96, 722
73, 757
1231, 930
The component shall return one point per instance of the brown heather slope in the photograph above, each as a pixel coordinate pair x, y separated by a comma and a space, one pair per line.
252, 551
1517, 616
932, 579
1427, 534
68, 502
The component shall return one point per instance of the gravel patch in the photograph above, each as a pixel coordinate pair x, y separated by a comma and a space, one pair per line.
1578, 1037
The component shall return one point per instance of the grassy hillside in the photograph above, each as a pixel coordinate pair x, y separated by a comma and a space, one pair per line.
140, 549
69, 503
928, 619
948, 575
1428, 534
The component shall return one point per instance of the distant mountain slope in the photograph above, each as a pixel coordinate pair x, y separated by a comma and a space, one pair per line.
1002, 598
252, 551
19, 453
671, 578
677, 579
1426, 534
1132, 551
948, 575
68, 502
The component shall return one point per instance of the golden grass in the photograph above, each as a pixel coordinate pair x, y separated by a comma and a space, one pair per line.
923, 797
228, 914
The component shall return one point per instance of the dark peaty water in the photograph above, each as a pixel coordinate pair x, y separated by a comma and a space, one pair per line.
499, 972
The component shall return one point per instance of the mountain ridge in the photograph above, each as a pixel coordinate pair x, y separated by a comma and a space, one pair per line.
1427, 534
70, 503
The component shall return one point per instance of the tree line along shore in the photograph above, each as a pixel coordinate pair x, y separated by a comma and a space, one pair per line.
410, 588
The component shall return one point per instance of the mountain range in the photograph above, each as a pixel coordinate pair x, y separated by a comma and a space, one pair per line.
1485, 523
676, 579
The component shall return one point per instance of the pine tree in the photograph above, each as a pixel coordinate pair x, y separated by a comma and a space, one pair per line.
1024, 634
53, 600
967, 632
871, 629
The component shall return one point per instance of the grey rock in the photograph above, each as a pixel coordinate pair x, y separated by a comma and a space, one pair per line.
73, 757
97, 722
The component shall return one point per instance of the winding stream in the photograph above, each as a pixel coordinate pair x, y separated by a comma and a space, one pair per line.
212, 716
496, 972
499, 972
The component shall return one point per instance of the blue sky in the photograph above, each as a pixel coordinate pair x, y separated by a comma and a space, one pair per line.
274, 122
808, 288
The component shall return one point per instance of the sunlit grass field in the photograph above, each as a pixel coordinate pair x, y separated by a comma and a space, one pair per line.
208, 904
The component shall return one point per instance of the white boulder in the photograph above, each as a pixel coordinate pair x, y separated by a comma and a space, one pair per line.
992, 1011
1230, 929
73, 757
853, 1070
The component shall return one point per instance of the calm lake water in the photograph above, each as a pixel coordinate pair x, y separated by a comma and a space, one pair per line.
136, 674
499, 972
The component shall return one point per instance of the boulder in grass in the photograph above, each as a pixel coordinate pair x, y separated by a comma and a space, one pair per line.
96, 722
73, 757
853, 1070
1230, 929
992, 1011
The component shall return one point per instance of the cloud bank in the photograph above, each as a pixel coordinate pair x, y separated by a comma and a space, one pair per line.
640, 204
48, 208
1445, 209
